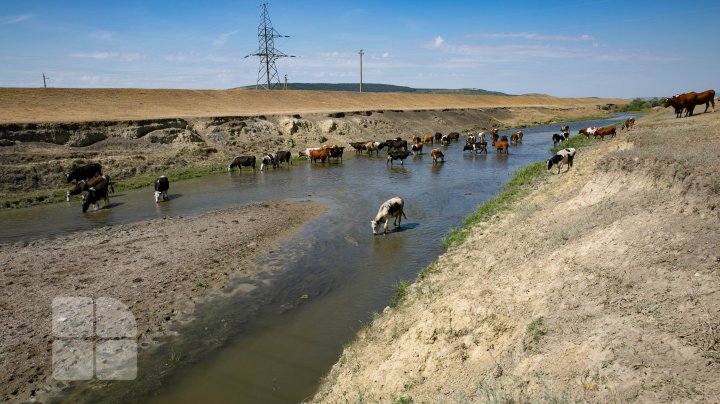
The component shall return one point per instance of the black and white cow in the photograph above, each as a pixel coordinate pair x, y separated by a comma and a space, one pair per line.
557, 138
82, 186
268, 160
393, 207
162, 184
84, 172
564, 156
242, 161
398, 155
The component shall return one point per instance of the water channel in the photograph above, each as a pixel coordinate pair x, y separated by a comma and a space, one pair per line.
272, 339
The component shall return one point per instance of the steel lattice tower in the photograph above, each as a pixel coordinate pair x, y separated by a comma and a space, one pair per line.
267, 72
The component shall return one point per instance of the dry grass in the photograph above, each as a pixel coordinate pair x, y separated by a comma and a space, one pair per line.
73, 105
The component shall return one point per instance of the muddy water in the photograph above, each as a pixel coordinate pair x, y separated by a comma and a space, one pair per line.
272, 339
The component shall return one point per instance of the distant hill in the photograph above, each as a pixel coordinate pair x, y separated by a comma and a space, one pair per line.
383, 88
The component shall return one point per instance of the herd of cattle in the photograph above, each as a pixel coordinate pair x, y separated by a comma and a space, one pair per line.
93, 186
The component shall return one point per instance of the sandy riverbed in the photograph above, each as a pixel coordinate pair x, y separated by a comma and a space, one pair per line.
158, 268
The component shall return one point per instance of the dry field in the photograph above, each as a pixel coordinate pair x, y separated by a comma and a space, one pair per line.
601, 285
23, 105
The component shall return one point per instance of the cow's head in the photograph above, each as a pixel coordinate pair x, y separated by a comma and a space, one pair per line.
375, 225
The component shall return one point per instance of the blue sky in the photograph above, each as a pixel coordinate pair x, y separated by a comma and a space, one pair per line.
604, 48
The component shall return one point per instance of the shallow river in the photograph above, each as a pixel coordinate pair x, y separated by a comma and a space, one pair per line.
274, 341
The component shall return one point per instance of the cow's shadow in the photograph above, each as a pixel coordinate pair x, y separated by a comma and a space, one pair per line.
405, 227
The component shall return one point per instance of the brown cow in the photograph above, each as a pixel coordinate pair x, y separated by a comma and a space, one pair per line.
629, 123
428, 139
501, 146
706, 97
682, 102
606, 131
314, 155
516, 137
437, 154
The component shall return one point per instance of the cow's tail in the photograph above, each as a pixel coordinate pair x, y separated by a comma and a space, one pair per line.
403, 213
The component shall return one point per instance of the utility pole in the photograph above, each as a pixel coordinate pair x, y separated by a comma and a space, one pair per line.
361, 55
285, 82
45, 80
267, 72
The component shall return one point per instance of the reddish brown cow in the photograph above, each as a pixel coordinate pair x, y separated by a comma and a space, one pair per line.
606, 131
685, 101
501, 146
428, 139
706, 97
314, 155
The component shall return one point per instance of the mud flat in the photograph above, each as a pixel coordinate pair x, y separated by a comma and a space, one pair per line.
601, 284
158, 268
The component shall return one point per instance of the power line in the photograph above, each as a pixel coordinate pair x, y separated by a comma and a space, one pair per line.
267, 72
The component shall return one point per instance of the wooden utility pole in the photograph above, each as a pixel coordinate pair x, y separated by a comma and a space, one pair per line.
45, 80
361, 55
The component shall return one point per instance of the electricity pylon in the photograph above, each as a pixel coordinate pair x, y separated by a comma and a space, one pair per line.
267, 72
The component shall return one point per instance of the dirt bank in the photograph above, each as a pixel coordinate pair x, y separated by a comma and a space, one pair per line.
158, 268
601, 285
170, 132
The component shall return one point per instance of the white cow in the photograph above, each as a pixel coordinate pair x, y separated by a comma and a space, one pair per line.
393, 207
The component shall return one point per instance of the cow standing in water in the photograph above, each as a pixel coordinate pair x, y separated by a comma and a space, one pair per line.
393, 207
162, 184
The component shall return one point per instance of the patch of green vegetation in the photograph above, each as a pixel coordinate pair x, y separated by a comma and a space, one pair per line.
641, 105
401, 291
202, 283
535, 331
513, 190
403, 400
428, 270
576, 141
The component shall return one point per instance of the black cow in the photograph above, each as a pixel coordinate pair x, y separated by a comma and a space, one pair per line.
162, 184
242, 161
84, 172
397, 155
438, 136
336, 152
96, 193
557, 138
454, 136
283, 156
396, 144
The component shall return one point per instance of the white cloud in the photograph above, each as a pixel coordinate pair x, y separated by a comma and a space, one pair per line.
125, 57
438, 41
533, 36
15, 19
222, 38
105, 36
386, 55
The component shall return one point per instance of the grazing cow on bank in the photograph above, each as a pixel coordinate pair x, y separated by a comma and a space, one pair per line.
242, 161
682, 102
96, 193
606, 131
437, 154
393, 207
628, 124
564, 156
428, 139
397, 155
84, 172
417, 147
321, 154
587, 131
283, 156
267, 161
162, 184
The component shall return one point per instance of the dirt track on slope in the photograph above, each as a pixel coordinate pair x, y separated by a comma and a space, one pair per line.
601, 285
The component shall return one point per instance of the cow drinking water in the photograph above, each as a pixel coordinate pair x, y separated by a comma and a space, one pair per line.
393, 207
162, 184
